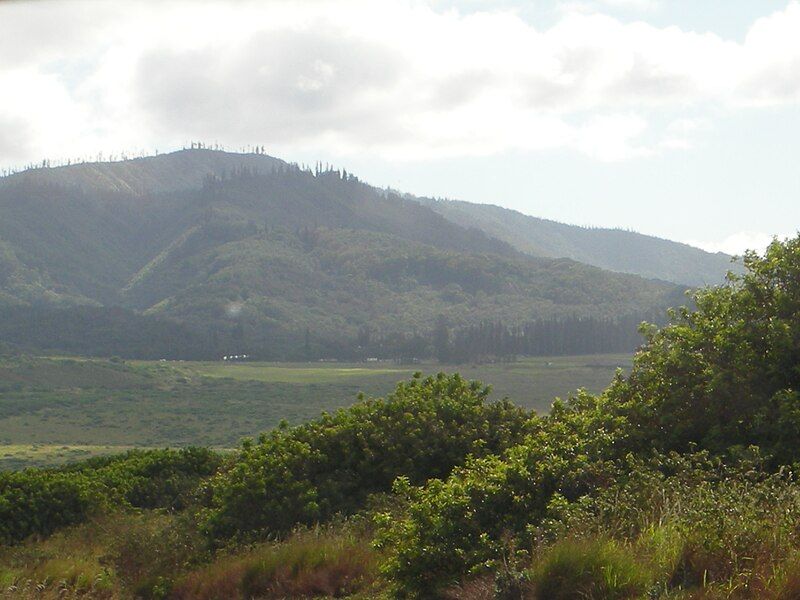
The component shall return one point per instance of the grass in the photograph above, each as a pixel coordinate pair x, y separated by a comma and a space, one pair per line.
310, 564
19, 456
58, 409
306, 373
70, 564
156, 555
589, 569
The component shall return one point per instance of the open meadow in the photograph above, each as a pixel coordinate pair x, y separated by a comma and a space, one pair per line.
60, 409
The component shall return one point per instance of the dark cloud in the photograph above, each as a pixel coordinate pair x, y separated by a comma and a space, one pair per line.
645, 81
455, 90
575, 66
781, 82
280, 86
33, 32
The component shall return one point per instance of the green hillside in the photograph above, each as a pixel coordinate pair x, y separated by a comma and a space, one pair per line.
255, 255
613, 249
343, 279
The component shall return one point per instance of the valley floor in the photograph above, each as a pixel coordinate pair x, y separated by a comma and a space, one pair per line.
56, 410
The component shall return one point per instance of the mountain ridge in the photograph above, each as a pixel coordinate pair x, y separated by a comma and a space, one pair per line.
259, 253
168, 172
645, 255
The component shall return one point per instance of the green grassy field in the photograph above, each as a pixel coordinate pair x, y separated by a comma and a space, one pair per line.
20, 456
53, 410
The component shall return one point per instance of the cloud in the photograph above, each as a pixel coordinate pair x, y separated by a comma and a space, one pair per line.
398, 79
771, 59
290, 84
737, 243
14, 136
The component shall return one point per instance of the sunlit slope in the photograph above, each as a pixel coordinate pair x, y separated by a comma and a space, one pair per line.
180, 170
613, 249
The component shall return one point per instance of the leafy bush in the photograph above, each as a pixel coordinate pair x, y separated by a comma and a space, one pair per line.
154, 478
453, 527
37, 502
698, 521
309, 473
724, 376
728, 373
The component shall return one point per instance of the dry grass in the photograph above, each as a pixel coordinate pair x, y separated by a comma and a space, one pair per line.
309, 564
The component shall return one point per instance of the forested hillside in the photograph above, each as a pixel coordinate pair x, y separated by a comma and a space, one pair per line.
678, 482
613, 249
252, 255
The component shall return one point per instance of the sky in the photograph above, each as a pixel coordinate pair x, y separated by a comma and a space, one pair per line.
675, 118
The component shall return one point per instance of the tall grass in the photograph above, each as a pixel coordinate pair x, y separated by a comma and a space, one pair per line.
313, 563
590, 570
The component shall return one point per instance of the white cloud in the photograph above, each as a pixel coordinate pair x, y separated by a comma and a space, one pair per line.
737, 243
398, 79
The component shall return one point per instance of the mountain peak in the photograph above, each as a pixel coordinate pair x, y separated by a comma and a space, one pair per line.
179, 170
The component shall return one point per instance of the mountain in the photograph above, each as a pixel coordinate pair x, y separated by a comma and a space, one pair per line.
147, 175
612, 249
251, 253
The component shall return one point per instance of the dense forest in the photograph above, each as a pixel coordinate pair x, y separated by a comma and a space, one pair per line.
248, 254
676, 482
100, 331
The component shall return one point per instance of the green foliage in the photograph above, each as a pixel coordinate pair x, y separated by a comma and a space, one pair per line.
723, 376
309, 473
453, 527
152, 478
148, 554
727, 373
37, 502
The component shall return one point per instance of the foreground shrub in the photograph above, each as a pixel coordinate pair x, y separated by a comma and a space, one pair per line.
694, 522
36, 502
728, 373
455, 527
786, 583
309, 473
590, 570
152, 478
40, 501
